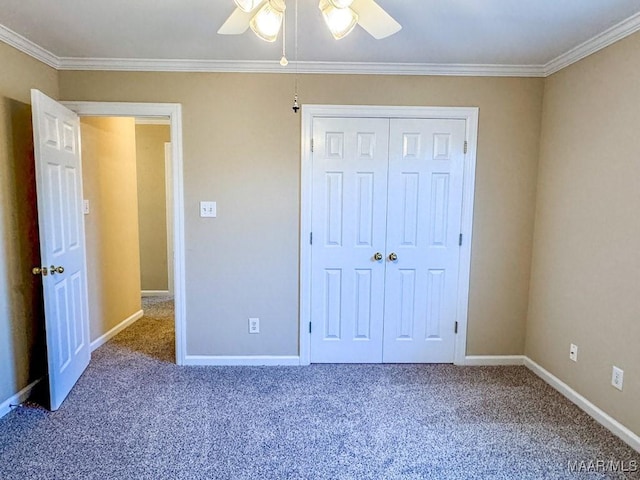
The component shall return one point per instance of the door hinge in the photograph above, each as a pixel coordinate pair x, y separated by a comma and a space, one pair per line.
455, 328
460, 240
311, 238
465, 146
309, 327
312, 144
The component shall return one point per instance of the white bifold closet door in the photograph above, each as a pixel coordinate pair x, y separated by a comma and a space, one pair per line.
386, 214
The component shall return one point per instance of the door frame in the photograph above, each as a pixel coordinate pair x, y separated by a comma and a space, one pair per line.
168, 188
309, 113
174, 112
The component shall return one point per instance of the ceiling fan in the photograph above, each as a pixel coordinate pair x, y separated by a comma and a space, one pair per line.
341, 16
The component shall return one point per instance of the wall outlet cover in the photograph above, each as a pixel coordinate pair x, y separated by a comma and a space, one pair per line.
617, 377
573, 352
254, 325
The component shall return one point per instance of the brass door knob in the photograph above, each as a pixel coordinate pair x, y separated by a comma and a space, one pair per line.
377, 257
40, 271
55, 270
393, 257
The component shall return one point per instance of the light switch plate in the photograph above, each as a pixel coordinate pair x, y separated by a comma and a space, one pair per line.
208, 209
85, 207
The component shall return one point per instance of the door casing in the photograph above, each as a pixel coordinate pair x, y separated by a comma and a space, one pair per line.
309, 112
174, 112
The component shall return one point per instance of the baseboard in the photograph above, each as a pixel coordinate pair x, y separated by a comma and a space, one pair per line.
18, 398
593, 411
248, 360
98, 342
493, 360
155, 293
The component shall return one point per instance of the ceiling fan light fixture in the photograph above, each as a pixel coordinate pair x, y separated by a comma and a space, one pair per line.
341, 3
267, 22
340, 21
247, 5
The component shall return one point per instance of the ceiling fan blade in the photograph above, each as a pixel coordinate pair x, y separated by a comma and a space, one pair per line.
374, 19
237, 23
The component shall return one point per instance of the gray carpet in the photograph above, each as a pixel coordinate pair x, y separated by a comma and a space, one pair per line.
136, 415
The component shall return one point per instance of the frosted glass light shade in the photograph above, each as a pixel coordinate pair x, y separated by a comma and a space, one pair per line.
341, 3
247, 5
267, 22
340, 21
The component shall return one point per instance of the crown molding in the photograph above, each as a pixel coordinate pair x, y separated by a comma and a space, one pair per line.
25, 45
594, 44
346, 68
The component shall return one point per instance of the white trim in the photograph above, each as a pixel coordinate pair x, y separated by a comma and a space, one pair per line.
102, 339
174, 112
241, 360
168, 198
309, 112
25, 45
18, 398
593, 411
384, 111
594, 44
262, 66
152, 121
470, 115
155, 293
493, 360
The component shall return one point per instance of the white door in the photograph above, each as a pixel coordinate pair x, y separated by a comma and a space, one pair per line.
56, 133
350, 164
426, 160
394, 188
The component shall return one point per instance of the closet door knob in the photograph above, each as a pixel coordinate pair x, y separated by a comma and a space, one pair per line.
377, 257
393, 257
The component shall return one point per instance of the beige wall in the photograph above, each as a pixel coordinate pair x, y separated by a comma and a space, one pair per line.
21, 331
586, 272
242, 149
152, 211
109, 183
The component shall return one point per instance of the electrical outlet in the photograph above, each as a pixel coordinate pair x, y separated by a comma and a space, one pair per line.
617, 377
254, 325
573, 352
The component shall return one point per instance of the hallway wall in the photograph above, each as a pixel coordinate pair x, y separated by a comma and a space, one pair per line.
152, 211
111, 227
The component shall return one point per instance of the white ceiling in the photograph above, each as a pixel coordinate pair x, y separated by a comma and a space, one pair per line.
444, 32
